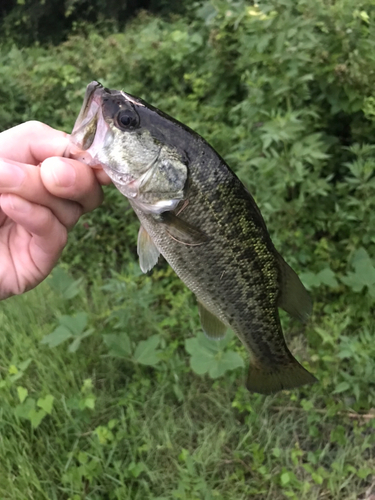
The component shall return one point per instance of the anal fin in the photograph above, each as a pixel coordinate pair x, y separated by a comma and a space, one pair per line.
147, 251
212, 326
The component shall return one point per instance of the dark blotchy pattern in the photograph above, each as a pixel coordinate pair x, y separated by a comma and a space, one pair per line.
236, 272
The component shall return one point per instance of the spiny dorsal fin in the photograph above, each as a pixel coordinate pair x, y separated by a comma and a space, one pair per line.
212, 326
294, 298
147, 251
267, 380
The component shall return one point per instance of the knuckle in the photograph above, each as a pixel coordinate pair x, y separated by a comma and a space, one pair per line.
35, 127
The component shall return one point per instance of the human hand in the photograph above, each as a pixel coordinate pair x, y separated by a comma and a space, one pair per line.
42, 196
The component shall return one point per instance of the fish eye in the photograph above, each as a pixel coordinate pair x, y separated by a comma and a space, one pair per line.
127, 119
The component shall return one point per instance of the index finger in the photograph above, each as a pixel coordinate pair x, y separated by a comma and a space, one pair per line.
32, 142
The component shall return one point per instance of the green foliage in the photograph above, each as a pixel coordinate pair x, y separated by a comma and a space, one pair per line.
101, 375
210, 356
363, 275
95, 424
69, 327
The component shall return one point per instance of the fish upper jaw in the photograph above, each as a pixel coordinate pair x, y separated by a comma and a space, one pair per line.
90, 131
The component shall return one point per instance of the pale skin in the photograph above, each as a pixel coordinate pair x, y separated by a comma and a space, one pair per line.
42, 196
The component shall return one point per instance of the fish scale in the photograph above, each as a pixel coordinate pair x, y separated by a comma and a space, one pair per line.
236, 272
201, 218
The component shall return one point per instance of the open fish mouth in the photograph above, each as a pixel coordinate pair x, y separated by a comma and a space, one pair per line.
85, 127
90, 127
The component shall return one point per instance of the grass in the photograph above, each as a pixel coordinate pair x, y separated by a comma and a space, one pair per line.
118, 429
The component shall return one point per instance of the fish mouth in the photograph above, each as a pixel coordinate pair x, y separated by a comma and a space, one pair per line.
90, 128
85, 127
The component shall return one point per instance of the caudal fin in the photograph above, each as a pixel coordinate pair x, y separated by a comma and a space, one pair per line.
267, 380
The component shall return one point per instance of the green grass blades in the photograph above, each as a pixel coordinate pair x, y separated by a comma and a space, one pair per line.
123, 417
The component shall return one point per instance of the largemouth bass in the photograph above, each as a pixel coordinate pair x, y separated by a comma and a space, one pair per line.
196, 213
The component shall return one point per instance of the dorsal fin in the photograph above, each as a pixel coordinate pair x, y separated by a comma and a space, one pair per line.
294, 298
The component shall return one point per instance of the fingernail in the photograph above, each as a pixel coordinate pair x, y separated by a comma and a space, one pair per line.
63, 173
19, 204
11, 175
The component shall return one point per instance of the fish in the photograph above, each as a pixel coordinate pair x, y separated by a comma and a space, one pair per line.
196, 212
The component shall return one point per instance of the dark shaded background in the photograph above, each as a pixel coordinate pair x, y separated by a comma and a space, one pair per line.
50, 21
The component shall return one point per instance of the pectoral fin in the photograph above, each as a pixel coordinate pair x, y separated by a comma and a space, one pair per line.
294, 298
147, 251
212, 326
182, 231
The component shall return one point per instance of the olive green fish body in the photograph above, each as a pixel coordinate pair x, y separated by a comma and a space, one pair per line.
199, 216
235, 274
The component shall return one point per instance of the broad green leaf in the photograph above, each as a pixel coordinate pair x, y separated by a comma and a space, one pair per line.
324, 277
327, 277
351, 280
212, 345
76, 324
23, 410
136, 468
285, 478
146, 352
36, 417
230, 360
364, 272
22, 393
193, 345
89, 402
118, 344
209, 356
341, 387
46, 403
82, 457
61, 281
202, 361
364, 268
310, 280
57, 337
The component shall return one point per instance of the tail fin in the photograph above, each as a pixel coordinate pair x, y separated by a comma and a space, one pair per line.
267, 380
